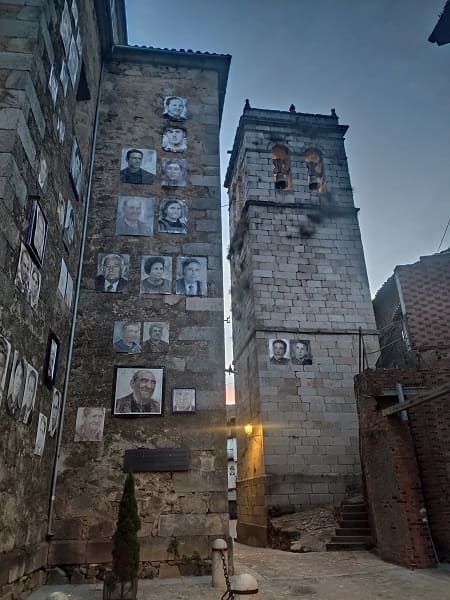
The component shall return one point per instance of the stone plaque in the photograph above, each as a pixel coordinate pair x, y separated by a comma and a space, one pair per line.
142, 460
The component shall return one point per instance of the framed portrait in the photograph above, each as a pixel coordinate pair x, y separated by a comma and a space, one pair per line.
278, 351
53, 85
112, 272
37, 233
76, 168
34, 286
54, 412
24, 268
73, 61
134, 215
138, 166
156, 275
183, 400
155, 336
64, 77
51, 359
40, 435
175, 108
138, 391
5, 355
174, 139
172, 216
16, 385
60, 128
62, 281
127, 337
173, 172
300, 351
29, 395
191, 276
89, 424
43, 173
65, 28
61, 209
69, 226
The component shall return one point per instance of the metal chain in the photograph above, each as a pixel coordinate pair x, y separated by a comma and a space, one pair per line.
228, 595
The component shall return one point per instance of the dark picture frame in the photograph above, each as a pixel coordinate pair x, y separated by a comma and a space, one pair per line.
132, 385
37, 233
184, 401
51, 359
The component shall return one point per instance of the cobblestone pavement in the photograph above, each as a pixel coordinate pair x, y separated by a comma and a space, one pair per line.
288, 576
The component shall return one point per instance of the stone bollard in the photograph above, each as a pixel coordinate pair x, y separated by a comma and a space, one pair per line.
218, 576
245, 585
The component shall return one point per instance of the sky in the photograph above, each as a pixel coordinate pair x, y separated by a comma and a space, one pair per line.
368, 59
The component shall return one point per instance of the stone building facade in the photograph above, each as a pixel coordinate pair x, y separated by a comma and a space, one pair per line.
299, 296
74, 95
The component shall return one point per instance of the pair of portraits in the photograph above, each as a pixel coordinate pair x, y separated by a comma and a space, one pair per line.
135, 216
134, 337
138, 167
283, 352
156, 274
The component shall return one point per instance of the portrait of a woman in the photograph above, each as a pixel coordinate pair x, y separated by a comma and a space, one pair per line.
154, 275
172, 217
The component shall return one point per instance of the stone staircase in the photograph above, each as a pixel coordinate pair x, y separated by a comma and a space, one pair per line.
353, 532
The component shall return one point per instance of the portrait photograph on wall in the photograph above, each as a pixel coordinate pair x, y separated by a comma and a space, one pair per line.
53, 85
155, 336
89, 424
54, 412
64, 77
34, 286
73, 61
60, 209
51, 359
16, 385
23, 273
29, 395
174, 139
278, 351
127, 337
138, 166
156, 275
172, 216
173, 172
112, 272
300, 351
40, 435
60, 127
68, 296
65, 28
191, 276
37, 233
62, 281
138, 391
175, 108
43, 173
134, 215
183, 400
5, 355
76, 168
69, 226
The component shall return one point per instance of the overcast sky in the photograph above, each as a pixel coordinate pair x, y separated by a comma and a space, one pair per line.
368, 59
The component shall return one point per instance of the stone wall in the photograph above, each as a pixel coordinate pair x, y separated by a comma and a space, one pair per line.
189, 506
31, 45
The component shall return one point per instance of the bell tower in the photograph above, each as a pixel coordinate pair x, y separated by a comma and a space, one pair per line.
299, 296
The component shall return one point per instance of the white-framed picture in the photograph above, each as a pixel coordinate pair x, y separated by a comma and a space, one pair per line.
69, 226
53, 85
29, 395
278, 351
54, 412
16, 385
76, 168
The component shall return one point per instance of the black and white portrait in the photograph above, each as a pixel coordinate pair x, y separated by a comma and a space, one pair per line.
112, 272
54, 413
89, 424
43, 173
37, 233
73, 61
155, 337
24, 268
16, 385
40, 435
138, 166
174, 139
173, 172
138, 391
62, 281
175, 108
51, 359
134, 215
65, 28
301, 352
156, 275
53, 85
127, 337
76, 168
60, 127
64, 77
5, 354
183, 400
191, 276
69, 226
278, 351
172, 217
75, 12
34, 286
61, 209
68, 296
29, 395
79, 44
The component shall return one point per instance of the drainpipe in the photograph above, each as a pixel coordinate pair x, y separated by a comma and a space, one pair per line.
74, 317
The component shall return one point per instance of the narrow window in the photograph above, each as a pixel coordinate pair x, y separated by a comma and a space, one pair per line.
281, 168
314, 165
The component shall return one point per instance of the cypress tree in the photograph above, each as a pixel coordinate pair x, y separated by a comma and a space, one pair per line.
125, 553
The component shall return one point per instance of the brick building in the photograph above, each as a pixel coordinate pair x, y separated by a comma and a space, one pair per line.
99, 141
299, 295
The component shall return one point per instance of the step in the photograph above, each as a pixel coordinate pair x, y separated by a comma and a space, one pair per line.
346, 524
354, 516
345, 531
354, 507
360, 511
347, 546
365, 539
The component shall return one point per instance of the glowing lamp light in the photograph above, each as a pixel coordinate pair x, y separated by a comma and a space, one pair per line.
248, 429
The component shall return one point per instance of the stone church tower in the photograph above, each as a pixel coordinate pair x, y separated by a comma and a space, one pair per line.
299, 296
